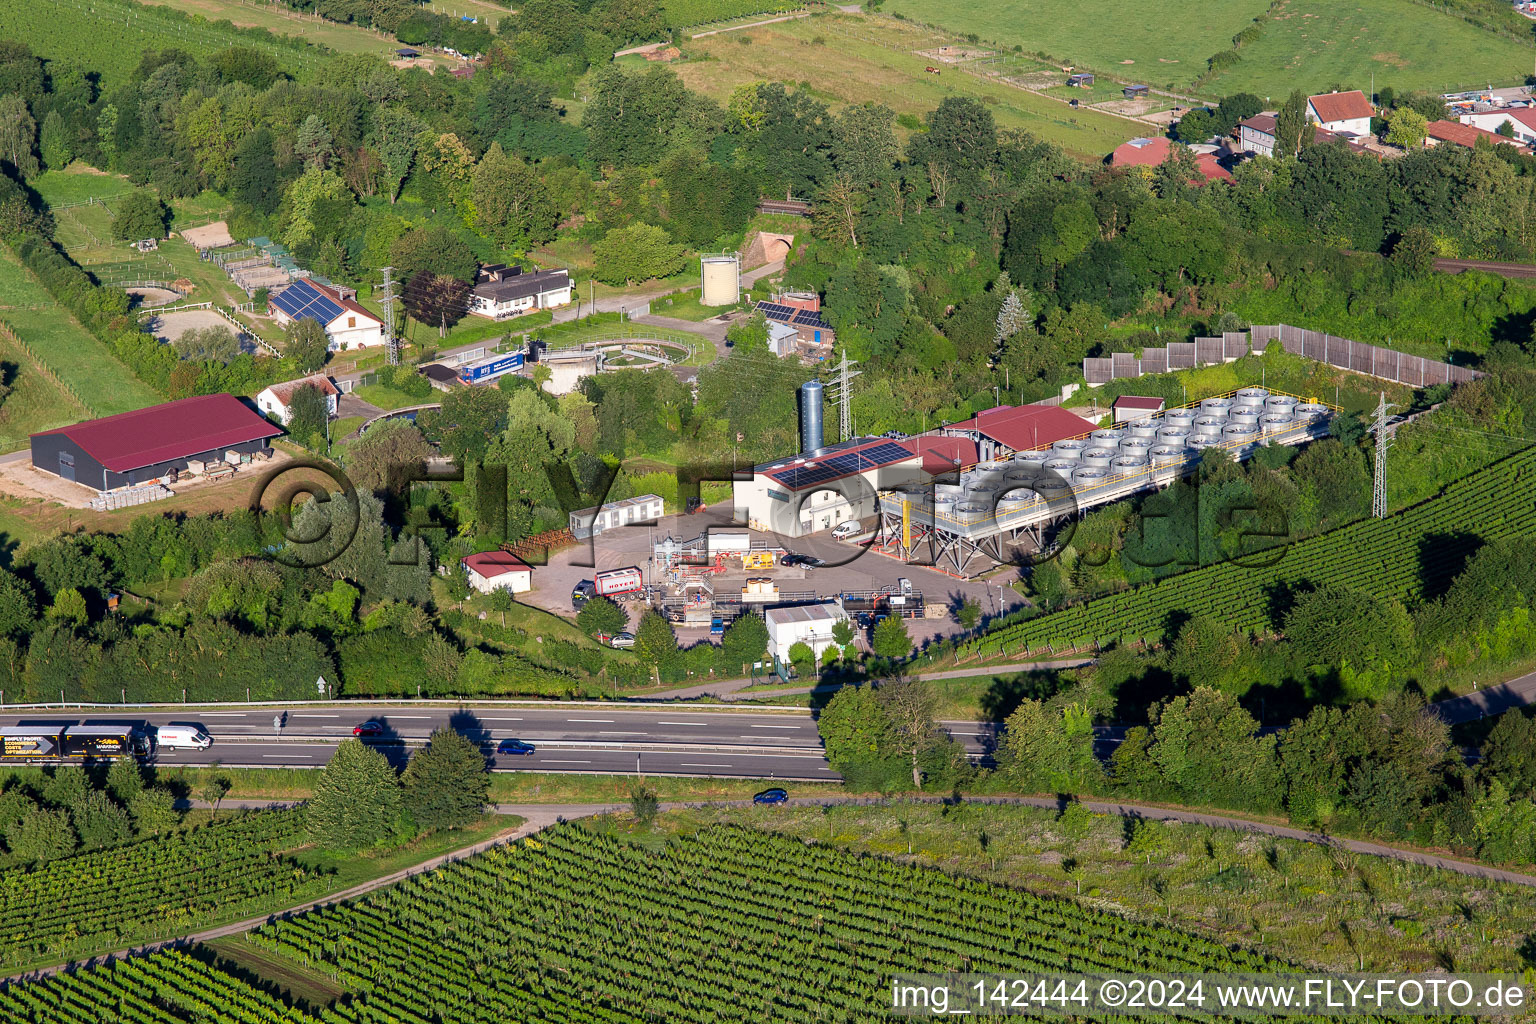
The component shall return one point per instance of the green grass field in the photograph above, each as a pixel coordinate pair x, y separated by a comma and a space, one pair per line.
845, 58
1158, 43
1307, 44
105, 385
1315, 44
108, 36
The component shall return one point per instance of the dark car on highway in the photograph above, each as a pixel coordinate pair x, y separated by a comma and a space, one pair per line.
771, 796
368, 728
514, 747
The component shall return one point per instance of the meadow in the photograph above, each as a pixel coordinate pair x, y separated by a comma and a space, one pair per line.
107, 36
1316, 44
1310, 45
844, 58
65, 350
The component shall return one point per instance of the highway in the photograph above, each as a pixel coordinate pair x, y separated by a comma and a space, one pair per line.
600, 738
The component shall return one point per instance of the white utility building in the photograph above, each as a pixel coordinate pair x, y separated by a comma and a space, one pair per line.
809, 624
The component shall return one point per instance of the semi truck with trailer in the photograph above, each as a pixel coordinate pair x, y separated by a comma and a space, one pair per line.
72, 744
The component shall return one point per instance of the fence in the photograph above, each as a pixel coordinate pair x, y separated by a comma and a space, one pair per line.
1372, 360
42, 367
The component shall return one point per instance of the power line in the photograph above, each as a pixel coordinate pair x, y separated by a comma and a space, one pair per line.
1383, 442
391, 339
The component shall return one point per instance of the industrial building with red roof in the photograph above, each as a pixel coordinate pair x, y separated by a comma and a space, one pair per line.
1019, 428
144, 445
1151, 152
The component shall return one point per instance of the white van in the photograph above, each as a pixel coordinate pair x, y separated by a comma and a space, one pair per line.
193, 737
851, 528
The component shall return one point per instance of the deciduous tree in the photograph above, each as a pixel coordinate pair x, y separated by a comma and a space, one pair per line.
445, 783
357, 800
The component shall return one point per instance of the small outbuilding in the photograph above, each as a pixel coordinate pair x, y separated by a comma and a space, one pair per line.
275, 399
809, 624
1136, 92
1136, 407
1081, 81
498, 570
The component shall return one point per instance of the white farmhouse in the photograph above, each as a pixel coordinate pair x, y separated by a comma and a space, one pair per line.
1347, 113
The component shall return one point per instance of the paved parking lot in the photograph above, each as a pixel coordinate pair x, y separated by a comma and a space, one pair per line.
849, 568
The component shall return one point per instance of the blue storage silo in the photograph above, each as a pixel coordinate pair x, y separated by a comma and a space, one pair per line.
810, 416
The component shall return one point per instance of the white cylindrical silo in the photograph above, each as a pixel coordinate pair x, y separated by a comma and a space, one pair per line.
719, 279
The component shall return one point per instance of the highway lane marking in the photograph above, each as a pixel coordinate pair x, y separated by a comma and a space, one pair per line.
407, 718
618, 732
501, 719
605, 721
684, 723
690, 764
225, 714
304, 756
554, 760
300, 714
773, 727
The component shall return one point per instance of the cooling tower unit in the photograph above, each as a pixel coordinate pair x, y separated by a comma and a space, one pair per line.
810, 417
719, 279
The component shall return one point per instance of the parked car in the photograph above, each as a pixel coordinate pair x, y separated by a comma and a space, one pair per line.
622, 640
809, 561
516, 747
852, 528
368, 728
582, 593
717, 626
771, 797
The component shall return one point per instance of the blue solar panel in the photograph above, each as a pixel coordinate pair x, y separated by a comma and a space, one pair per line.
842, 465
303, 301
775, 311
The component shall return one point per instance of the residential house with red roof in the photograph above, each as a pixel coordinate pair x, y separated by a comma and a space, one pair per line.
274, 400
1343, 113
142, 446
347, 324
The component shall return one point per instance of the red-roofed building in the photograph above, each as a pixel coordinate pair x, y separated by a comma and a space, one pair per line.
1135, 407
1019, 428
1522, 122
142, 446
498, 570
347, 323
1152, 152
1459, 134
274, 400
942, 454
1345, 113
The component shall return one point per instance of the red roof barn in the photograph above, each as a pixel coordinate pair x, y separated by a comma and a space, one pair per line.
141, 446
1020, 428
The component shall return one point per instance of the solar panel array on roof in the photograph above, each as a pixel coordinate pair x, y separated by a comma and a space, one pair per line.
837, 466
302, 301
778, 311
806, 318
